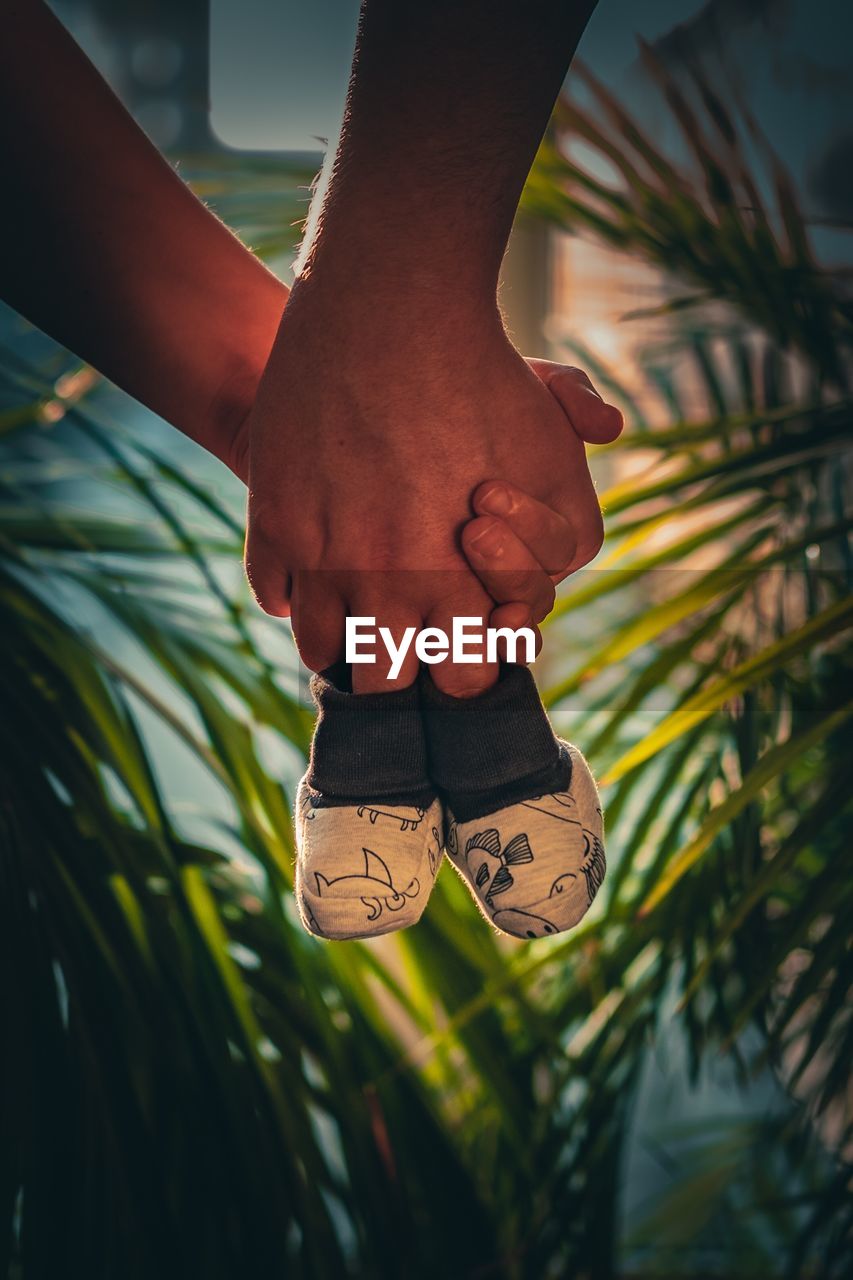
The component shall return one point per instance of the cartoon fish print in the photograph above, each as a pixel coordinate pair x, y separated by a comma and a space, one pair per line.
493, 862
592, 870
373, 885
523, 924
408, 816
452, 841
594, 865
563, 884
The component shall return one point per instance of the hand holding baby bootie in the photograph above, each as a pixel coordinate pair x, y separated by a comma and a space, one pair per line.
369, 828
524, 822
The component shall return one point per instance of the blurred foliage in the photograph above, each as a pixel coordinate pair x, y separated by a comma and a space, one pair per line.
194, 1086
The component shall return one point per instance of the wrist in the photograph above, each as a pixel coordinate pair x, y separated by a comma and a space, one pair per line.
227, 435
370, 311
238, 373
379, 237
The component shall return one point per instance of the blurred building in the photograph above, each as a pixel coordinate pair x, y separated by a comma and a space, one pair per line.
154, 53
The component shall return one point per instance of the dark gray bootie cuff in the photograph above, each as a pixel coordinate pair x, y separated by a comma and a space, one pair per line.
367, 746
495, 750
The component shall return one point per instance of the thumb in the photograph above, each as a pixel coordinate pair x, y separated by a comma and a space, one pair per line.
594, 421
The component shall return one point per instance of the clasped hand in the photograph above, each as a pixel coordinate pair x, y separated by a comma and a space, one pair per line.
414, 473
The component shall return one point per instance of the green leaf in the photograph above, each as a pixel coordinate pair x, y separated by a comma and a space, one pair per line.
833, 621
771, 764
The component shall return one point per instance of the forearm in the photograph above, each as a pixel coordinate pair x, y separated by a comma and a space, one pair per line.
106, 249
447, 105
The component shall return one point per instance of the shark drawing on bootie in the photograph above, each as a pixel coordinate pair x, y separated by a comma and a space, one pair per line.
490, 864
373, 885
409, 817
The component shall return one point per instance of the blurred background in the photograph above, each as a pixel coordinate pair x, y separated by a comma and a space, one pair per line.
193, 1086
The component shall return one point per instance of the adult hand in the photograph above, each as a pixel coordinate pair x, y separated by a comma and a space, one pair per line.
367, 438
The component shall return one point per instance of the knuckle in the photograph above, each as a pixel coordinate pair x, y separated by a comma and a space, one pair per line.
545, 603
315, 645
462, 682
266, 521
272, 606
581, 376
271, 597
253, 577
268, 602
520, 584
540, 610
614, 419
590, 545
486, 537
466, 689
564, 552
316, 657
237, 457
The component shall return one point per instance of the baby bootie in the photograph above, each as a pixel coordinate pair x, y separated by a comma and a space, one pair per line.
369, 826
524, 823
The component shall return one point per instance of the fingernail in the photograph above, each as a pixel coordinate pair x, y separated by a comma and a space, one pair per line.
497, 500
488, 541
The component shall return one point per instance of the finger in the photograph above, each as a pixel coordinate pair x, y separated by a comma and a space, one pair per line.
590, 537
506, 567
394, 627
318, 615
547, 535
595, 421
513, 617
268, 578
464, 679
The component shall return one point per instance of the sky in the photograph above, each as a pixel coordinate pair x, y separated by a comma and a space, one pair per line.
279, 71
